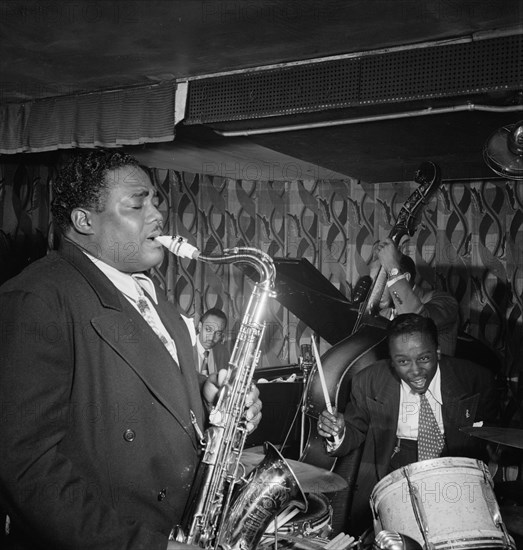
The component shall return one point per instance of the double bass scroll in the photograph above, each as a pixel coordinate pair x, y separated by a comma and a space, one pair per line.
428, 176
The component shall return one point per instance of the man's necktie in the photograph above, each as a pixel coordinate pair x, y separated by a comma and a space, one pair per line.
205, 363
144, 308
430, 438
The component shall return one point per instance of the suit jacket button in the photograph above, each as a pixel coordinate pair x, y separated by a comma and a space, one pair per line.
162, 494
129, 435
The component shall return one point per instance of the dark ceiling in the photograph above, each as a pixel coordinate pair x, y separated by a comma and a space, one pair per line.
51, 48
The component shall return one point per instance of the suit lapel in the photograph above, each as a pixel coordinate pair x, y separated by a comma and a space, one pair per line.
383, 409
145, 354
459, 409
125, 330
177, 328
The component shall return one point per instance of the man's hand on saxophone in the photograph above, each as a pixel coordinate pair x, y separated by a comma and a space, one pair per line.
253, 405
253, 408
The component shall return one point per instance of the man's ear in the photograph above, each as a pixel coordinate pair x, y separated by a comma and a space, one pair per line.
198, 327
81, 220
438, 354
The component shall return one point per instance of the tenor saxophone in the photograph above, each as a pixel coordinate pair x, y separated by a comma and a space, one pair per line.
225, 509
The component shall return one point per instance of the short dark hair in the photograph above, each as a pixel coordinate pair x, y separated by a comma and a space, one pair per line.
216, 313
81, 182
409, 323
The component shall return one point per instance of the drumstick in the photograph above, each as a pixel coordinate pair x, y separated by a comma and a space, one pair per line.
340, 542
322, 377
323, 384
334, 541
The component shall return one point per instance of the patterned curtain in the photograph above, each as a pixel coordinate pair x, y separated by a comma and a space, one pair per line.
469, 243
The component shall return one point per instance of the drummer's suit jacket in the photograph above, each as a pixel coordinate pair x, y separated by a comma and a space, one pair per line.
468, 397
97, 448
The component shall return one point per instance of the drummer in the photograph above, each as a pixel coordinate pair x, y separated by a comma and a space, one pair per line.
387, 412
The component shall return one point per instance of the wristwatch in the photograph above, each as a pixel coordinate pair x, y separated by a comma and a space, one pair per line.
394, 272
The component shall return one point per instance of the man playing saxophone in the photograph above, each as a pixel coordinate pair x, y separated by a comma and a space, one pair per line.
102, 409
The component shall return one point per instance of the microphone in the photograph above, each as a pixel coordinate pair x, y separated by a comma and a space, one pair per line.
392, 540
306, 353
179, 246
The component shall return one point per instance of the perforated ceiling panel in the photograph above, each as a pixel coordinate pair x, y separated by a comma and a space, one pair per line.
436, 71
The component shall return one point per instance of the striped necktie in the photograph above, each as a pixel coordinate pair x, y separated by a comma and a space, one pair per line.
430, 438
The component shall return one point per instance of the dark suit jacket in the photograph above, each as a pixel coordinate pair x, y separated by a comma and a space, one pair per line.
468, 395
97, 446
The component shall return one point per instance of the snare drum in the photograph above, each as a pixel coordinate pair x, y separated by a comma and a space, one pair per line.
448, 502
316, 521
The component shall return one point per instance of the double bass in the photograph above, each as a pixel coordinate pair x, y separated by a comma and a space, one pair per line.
367, 341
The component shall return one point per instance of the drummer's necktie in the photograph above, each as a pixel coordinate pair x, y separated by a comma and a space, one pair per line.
430, 438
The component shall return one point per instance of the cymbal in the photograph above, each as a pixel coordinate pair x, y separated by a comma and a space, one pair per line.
312, 479
511, 437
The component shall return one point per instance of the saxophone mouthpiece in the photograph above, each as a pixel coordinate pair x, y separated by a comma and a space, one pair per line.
178, 246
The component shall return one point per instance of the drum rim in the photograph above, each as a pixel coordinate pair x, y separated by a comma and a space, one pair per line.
425, 465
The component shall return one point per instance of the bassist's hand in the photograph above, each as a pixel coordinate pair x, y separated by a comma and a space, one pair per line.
388, 255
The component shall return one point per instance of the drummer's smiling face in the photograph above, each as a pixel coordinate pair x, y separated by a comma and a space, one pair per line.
415, 359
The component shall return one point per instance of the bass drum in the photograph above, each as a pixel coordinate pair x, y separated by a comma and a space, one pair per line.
447, 502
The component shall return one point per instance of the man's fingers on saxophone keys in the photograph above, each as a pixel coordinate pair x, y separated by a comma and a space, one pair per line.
253, 415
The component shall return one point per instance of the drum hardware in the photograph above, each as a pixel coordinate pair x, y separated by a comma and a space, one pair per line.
419, 512
512, 437
392, 540
312, 479
305, 530
306, 363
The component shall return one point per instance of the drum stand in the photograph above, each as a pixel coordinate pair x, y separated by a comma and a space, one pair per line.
306, 363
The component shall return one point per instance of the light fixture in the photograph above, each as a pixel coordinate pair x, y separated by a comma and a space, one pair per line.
503, 151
